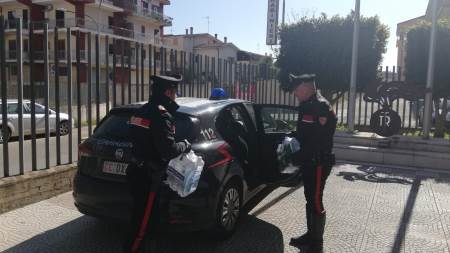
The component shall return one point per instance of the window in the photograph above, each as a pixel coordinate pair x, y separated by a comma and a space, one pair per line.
25, 18
145, 4
13, 70
278, 120
25, 45
110, 21
60, 16
142, 29
13, 108
111, 49
26, 108
116, 126
39, 109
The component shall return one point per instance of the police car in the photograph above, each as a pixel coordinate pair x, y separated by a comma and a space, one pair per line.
237, 140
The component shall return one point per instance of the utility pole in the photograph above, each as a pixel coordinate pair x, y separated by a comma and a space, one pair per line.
352, 96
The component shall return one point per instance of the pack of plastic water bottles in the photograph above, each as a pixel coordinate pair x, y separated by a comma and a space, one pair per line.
183, 173
285, 152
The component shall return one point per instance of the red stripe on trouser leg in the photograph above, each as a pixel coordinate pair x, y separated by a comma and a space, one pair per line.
317, 199
143, 227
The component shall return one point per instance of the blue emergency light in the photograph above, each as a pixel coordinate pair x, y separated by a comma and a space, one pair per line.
218, 94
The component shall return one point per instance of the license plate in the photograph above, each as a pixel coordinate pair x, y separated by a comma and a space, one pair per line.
115, 168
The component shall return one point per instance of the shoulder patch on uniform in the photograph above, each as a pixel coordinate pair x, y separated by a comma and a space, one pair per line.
140, 122
162, 108
322, 120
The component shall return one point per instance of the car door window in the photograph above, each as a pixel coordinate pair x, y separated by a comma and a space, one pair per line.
26, 108
39, 109
13, 108
278, 120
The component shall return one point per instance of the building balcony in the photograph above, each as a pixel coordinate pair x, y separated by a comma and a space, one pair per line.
106, 5
157, 16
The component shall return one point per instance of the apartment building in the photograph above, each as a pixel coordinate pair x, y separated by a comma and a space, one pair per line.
204, 44
129, 23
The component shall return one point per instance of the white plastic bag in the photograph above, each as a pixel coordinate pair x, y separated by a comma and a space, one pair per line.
183, 173
285, 151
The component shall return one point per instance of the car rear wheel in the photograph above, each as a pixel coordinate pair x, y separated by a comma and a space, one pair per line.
4, 136
64, 128
229, 210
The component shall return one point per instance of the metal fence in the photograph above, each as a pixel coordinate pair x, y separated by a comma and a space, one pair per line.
84, 75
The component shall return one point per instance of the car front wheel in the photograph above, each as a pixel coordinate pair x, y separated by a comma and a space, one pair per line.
229, 210
4, 137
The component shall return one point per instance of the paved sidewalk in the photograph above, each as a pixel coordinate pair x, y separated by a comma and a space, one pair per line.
370, 209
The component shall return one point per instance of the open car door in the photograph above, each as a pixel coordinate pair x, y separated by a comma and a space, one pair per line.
274, 123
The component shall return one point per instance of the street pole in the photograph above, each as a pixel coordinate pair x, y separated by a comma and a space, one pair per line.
284, 12
430, 75
352, 96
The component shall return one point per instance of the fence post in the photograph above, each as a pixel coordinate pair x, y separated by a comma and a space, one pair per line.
57, 102
69, 88
4, 97
19, 46
46, 97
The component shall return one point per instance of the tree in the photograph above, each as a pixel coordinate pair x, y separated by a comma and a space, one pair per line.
324, 46
416, 66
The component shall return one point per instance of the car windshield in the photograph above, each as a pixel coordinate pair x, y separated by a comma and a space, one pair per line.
116, 127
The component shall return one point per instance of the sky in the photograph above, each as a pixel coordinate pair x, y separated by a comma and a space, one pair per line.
244, 21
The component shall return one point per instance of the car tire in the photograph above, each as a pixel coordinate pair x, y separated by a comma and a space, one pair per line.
5, 137
228, 210
64, 128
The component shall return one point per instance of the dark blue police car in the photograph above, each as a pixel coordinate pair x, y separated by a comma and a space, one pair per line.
237, 140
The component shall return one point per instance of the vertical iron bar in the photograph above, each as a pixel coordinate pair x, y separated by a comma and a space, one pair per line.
4, 96
165, 60
137, 71
114, 72
122, 71
46, 97
107, 73
97, 78
57, 102
19, 47
129, 56
33, 98
142, 71
161, 59
78, 56
89, 84
69, 89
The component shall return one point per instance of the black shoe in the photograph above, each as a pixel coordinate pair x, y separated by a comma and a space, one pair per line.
316, 247
301, 240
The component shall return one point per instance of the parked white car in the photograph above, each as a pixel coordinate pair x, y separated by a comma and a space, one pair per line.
13, 120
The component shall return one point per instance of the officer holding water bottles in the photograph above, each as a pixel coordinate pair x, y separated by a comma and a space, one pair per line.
152, 132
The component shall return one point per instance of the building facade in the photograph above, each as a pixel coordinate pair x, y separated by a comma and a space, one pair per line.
123, 25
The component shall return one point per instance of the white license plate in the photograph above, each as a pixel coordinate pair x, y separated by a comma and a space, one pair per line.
115, 168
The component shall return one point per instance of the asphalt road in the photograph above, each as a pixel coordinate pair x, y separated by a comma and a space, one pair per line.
13, 147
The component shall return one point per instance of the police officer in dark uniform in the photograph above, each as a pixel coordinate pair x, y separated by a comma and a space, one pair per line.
152, 133
315, 129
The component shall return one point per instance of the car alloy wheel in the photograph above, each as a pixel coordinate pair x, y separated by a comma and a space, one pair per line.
64, 128
230, 209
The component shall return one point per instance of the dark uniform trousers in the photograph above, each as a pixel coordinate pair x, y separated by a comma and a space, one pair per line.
315, 130
152, 131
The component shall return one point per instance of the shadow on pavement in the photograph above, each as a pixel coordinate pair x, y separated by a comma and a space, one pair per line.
89, 235
377, 175
406, 217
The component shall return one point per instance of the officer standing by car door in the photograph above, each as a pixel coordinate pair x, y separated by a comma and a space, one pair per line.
152, 132
315, 130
